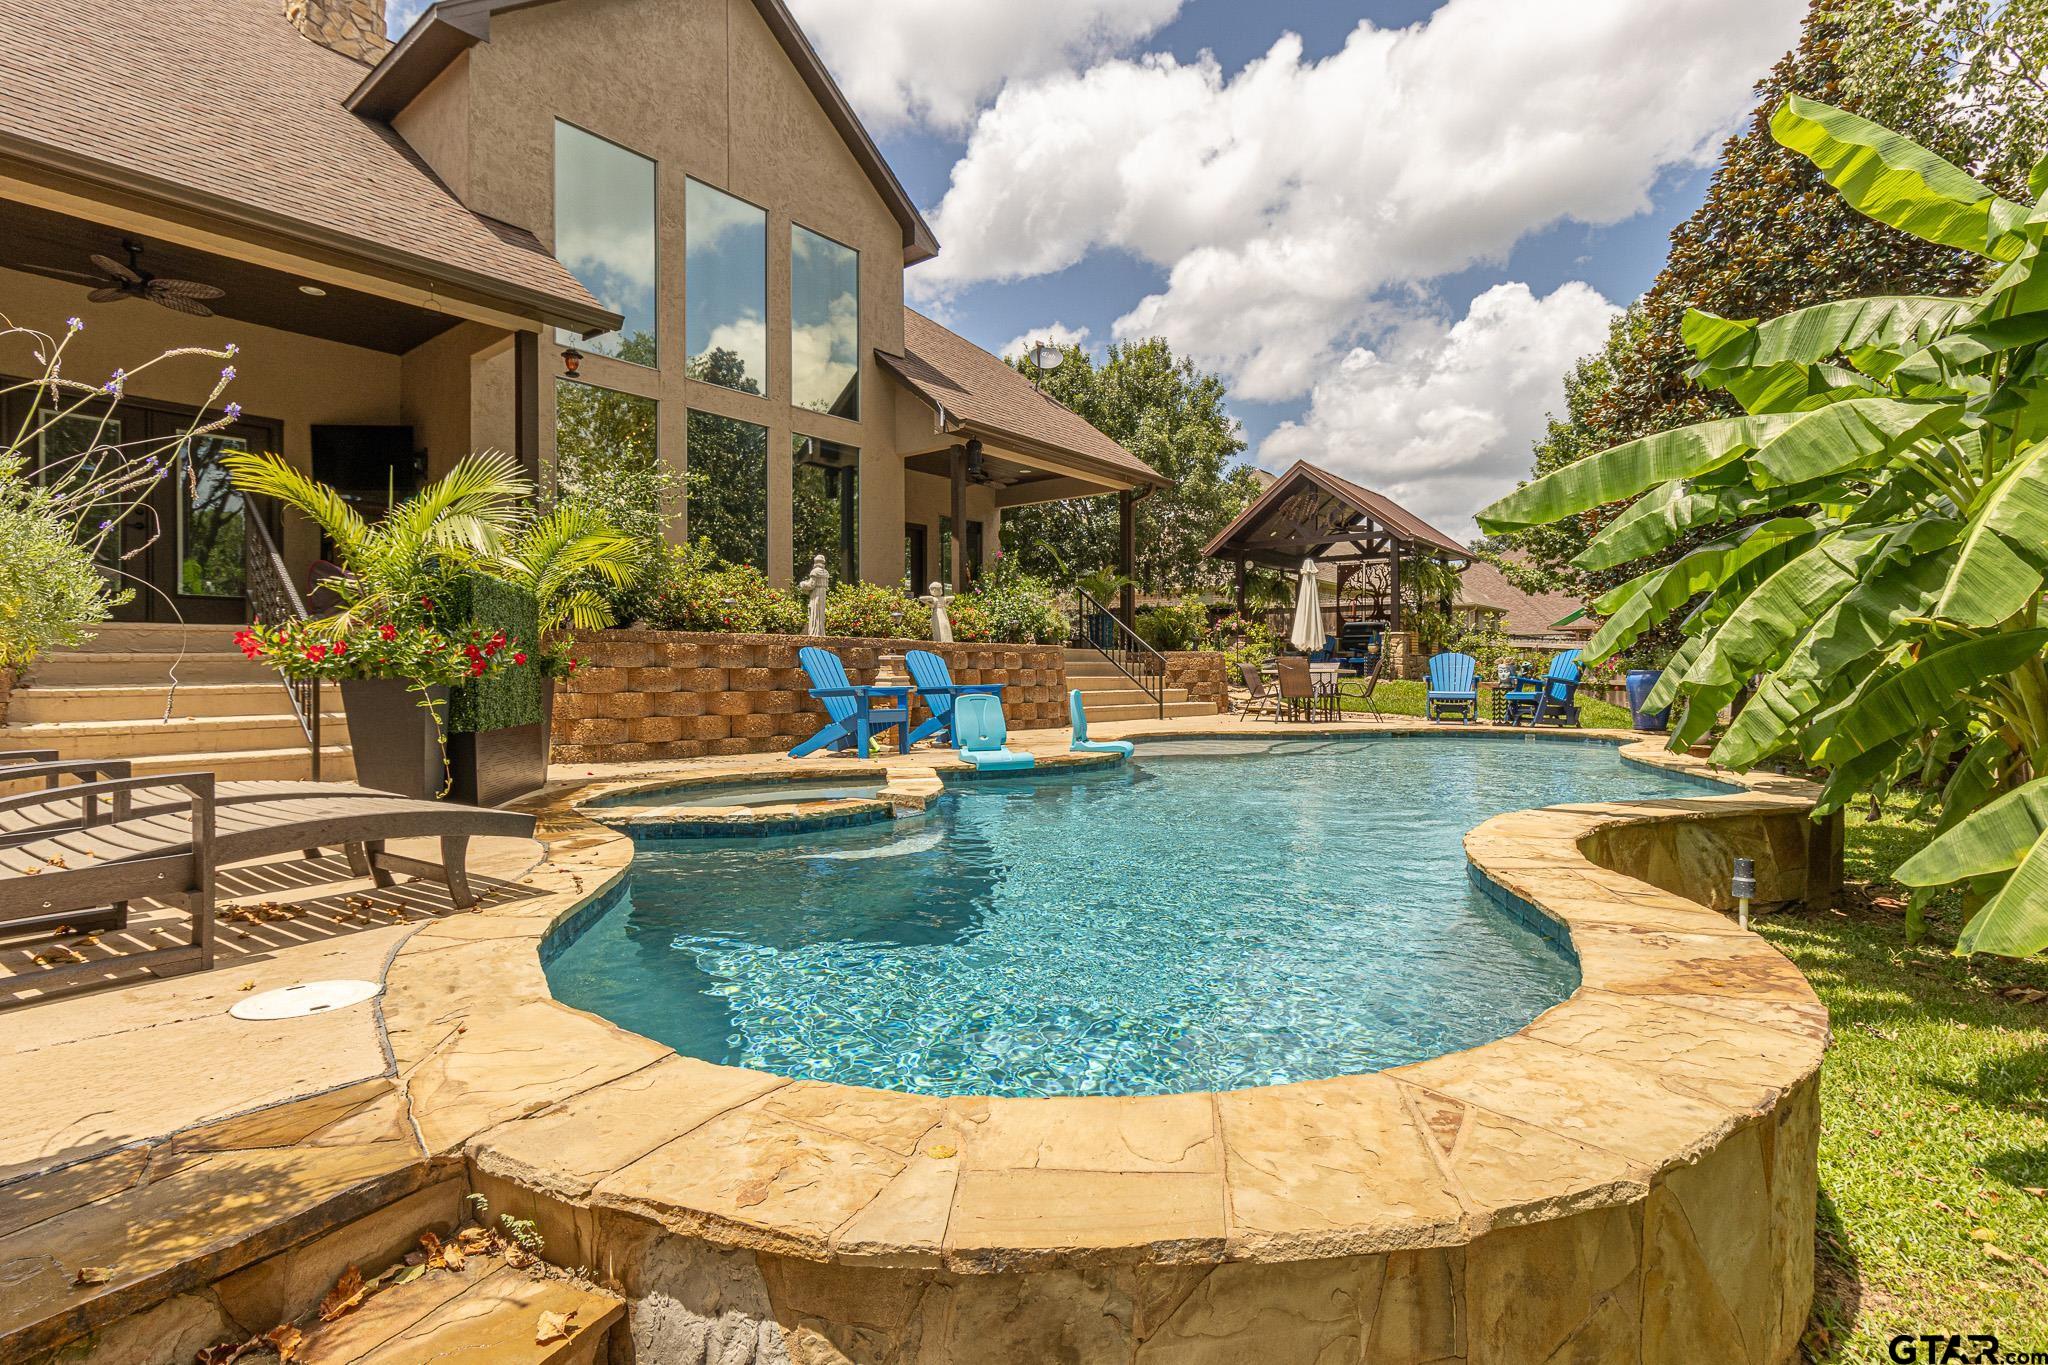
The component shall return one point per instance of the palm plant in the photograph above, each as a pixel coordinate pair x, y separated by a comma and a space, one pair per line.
1883, 517
563, 558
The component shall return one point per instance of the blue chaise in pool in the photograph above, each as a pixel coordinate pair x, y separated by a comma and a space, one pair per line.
1453, 687
935, 684
1554, 697
1084, 745
979, 732
850, 716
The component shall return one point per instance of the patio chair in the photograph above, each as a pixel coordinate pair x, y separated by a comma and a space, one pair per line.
936, 687
1084, 745
851, 717
1453, 688
171, 851
1551, 699
1299, 695
1261, 700
979, 727
1363, 695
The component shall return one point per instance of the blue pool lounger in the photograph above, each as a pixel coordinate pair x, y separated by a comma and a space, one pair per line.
979, 731
1083, 744
1453, 689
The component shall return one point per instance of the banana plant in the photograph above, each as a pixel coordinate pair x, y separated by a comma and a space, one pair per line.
1875, 530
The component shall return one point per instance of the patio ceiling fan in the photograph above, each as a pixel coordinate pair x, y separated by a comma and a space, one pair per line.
978, 471
130, 280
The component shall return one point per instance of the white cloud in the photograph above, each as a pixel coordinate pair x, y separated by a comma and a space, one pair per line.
938, 61
398, 18
1441, 418
1058, 333
1297, 204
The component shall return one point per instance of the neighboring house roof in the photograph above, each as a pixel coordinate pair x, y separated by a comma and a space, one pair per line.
1525, 615
224, 107
1357, 499
978, 390
451, 27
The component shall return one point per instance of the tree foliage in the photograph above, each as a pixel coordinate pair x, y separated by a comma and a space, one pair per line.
1173, 417
1862, 542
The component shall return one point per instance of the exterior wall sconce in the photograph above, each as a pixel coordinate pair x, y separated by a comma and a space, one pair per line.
572, 360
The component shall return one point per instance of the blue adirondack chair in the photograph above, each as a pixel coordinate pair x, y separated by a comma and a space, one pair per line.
1084, 745
850, 711
1452, 687
935, 684
1552, 698
979, 731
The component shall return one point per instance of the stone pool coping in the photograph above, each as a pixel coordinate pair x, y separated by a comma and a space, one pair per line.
1685, 1028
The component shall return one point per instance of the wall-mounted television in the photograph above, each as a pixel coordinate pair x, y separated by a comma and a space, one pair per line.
368, 464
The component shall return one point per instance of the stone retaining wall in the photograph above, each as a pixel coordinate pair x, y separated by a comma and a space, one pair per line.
644, 694
1204, 673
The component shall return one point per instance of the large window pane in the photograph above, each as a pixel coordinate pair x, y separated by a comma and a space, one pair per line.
606, 451
604, 233
725, 294
210, 521
824, 342
825, 507
727, 486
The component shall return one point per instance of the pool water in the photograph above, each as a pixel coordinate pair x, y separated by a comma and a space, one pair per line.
1218, 915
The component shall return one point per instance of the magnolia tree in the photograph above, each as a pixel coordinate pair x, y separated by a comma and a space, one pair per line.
1883, 508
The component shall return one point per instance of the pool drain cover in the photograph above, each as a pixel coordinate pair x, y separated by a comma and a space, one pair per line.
313, 997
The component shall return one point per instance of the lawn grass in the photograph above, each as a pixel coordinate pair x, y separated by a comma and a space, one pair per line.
1934, 1109
1398, 697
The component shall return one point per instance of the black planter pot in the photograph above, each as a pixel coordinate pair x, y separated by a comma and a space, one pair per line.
492, 767
395, 739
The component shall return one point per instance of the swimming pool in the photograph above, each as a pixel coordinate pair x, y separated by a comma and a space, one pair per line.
1221, 914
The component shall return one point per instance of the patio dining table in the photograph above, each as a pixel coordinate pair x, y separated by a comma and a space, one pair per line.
1323, 680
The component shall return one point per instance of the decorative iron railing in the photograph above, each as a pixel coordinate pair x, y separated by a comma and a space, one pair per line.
273, 600
1098, 628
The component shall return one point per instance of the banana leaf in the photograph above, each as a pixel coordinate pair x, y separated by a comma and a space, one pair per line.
2004, 555
1897, 324
2010, 834
1899, 183
1643, 602
1910, 700
1634, 467
1847, 435
1664, 516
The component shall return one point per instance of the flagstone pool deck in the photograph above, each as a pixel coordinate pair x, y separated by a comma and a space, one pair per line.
1631, 1177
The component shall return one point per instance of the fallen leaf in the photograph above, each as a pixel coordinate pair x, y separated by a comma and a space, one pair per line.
246, 986
475, 1240
227, 1352
285, 1339
553, 1327
2034, 1190
2000, 1255
346, 1296
57, 955
1982, 1234
430, 1244
452, 1255
407, 1274
941, 1151
91, 1275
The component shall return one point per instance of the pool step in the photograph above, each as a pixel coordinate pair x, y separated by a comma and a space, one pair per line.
487, 1311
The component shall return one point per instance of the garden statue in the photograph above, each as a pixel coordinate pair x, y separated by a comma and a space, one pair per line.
942, 624
814, 588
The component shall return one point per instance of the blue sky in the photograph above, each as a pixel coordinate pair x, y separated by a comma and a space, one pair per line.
1390, 225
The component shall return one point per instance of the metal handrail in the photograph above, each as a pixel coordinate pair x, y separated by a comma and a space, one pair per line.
272, 598
1098, 628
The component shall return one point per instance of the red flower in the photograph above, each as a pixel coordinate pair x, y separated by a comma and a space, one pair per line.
388, 631
518, 658
340, 648
316, 653
427, 603
476, 668
474, 655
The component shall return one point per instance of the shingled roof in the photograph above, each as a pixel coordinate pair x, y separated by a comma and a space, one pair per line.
979, 391
224, 107
1531, 616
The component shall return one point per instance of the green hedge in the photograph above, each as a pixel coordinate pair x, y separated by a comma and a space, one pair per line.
506, 697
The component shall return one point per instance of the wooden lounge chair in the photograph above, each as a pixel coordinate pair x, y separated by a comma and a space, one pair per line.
1077, 715
1260, 700
170, 851
851, 717
936, 686
1453, 688
1552, 699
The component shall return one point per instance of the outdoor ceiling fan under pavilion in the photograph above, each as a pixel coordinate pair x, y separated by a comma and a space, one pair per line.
130, 280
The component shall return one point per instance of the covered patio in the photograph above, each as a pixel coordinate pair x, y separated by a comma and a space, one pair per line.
1370, 542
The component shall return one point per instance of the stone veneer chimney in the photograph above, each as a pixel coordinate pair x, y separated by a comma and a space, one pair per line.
354, 28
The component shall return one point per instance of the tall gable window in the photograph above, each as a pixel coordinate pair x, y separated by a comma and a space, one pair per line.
824, 292
604, 234
725, 485
725, 292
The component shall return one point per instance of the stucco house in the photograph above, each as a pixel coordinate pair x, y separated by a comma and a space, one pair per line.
523, 222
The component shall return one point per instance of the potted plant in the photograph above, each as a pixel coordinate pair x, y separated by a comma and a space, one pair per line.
449, 590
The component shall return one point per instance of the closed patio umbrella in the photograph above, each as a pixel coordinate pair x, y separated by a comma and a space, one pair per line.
1307, 635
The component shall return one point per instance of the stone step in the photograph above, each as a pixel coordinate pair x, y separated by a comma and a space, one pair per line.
1149, 711
487, 1311
141, 668
193, 735
147, 701
291, 764
138, 637
1093, 702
